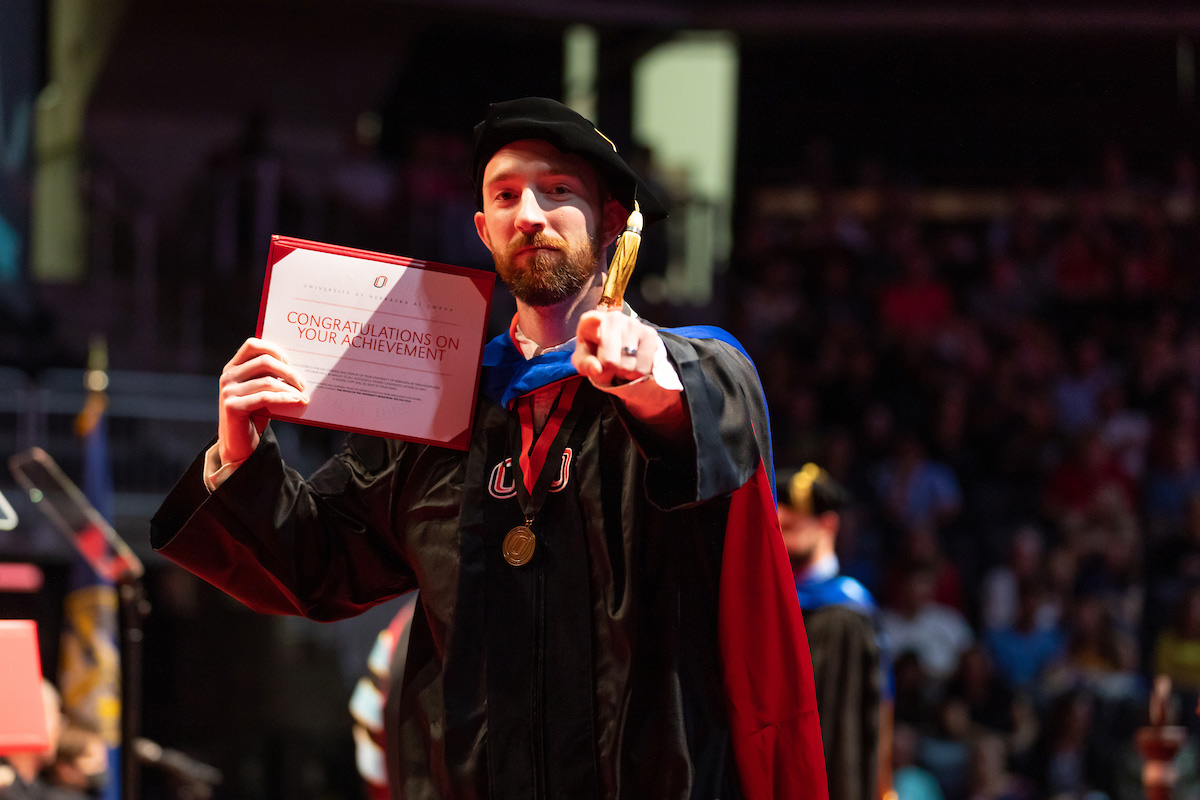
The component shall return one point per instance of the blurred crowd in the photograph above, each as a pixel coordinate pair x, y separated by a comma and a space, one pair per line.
1012, 397
1015, 402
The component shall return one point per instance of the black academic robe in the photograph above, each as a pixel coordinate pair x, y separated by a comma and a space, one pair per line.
594, 671
846, 666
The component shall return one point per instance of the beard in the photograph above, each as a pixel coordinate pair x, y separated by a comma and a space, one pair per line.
549, 276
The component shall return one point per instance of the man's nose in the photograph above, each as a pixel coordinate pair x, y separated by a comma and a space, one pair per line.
530, 216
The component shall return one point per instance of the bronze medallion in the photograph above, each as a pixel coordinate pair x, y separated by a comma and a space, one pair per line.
519, 544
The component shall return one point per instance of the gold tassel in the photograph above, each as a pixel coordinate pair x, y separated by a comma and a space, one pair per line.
623, 262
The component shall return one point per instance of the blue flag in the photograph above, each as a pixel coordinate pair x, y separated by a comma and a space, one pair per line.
89, 672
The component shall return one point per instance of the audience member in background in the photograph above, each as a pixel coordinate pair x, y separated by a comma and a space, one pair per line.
915, 490
1098, 654
843, 303
1084, 261
912, 781
773, 305
950, 432
1007, 296
1188, 349
1170, 483
1177, 649
21, 773
987, 697
991, 778
921, 547
945, 747
938, 634
998, 601
1088, 471
919, 303
1069, 763
800, 434
1171, 568
1021, 235
840, 617
1175, 400
1110, 566
81, 763
992, 706
1077, 391
1062, 568
1153, 367
375, 730
916, 695
1022, 650
1125, 431
1025, 447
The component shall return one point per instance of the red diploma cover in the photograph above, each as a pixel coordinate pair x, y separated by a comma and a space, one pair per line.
22, 713
387, 345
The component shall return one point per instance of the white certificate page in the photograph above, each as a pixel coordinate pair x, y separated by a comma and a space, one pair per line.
386, 345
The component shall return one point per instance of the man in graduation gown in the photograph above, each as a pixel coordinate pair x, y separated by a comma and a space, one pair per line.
850, 667
605, 608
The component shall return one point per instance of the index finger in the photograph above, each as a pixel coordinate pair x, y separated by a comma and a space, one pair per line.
588, 330
253, 348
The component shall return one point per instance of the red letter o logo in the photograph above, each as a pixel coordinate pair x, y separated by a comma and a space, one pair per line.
381, 282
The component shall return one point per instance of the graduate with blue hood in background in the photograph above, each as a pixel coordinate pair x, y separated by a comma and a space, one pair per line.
850, 666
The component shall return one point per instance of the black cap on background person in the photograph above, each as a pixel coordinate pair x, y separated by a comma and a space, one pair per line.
810, 490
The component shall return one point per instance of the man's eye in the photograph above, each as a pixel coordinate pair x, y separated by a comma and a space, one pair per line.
561, 189
504, 196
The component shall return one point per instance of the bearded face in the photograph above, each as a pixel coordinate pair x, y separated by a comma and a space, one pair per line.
542, 270
545, 219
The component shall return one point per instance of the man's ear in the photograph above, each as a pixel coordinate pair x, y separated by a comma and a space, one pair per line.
481, 229
615, 217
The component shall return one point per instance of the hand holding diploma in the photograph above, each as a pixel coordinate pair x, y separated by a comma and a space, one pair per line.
257, 379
